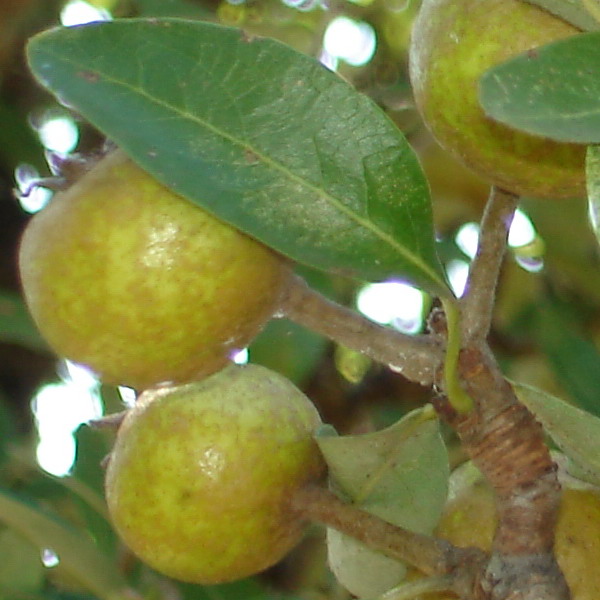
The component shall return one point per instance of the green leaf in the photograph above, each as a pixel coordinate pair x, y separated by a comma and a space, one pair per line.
575, 432
77, 554
18, 143
264, 137
553, 91
16, 326
288, 348
572, 11
399, 474
575, 360
21, 568
246, 589
50, 594
172, 8
86, 481
569, 245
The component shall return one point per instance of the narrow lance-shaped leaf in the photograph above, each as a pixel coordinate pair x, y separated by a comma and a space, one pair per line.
266, 138
575, 12
575, 432
552, 91
76, 552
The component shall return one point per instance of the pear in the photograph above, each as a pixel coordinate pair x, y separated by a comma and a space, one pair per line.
201, 475
142, 286
470, 519
453, 43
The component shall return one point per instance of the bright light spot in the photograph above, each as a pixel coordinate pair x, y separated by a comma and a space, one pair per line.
302, 5
349, 40
331, 62
522, 231
533, 264
56, 452
59, 134
458, 273
64, 406
59, 409
467, 238
158, 253
594, 213
240, 357
212, 462
31, 196
79, 374
393, 303
49, 558
527, 246
128, 395
78, 12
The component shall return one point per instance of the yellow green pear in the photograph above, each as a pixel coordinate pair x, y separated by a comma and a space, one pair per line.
139, 284
453, 43
470, 519
201, 475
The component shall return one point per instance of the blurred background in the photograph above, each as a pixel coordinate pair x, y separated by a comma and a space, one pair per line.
546, 328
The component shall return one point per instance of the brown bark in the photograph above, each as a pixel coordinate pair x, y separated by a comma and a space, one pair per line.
507, 444
432, 556
416, 357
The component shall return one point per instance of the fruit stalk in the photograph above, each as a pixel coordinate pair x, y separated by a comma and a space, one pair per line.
503, 438
416, 357
507, 444
432, 556
478, 299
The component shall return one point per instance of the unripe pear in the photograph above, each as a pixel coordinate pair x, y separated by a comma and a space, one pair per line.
128, 278
470, 519
200, 479
453, 43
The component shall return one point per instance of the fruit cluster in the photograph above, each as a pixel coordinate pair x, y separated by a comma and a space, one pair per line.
150, 291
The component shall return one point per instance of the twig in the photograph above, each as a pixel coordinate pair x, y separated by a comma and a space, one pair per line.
416, 357
478, 300
112, 421
508, 445
432, 556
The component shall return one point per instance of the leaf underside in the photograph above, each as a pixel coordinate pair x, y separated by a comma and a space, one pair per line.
399, 474
575, 431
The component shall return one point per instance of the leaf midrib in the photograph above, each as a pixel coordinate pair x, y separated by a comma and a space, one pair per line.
269, 162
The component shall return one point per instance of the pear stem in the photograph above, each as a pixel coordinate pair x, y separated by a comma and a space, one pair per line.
432, 556
416, 357
460, 401
477, 303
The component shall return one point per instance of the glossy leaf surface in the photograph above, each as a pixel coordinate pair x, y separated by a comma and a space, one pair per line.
553, 91
264, 137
